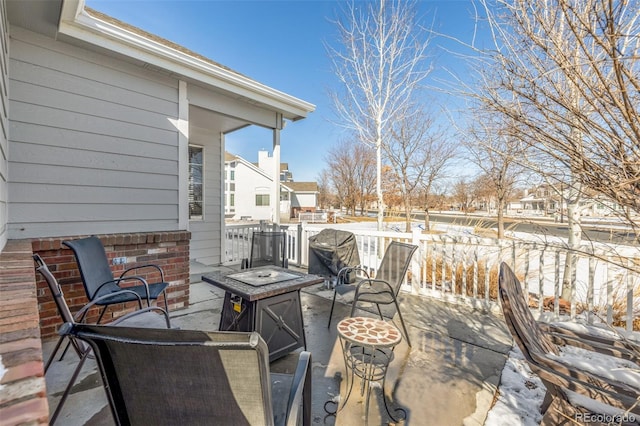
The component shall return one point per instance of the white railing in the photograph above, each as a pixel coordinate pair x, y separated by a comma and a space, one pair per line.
313, 217
465, 268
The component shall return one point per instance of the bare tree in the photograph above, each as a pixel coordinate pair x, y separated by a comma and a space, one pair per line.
439, 151
571, 79
569, 74
380, 61
417, 154
492, 146
351, 171
325, 196
364, 168
462, 194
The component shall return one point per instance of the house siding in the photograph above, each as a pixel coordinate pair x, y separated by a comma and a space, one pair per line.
304, 200
93, 146
4, 123
206, 241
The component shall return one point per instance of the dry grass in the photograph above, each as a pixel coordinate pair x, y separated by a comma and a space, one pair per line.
458, 282
619, 304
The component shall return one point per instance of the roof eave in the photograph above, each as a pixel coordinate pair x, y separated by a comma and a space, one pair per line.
77, 23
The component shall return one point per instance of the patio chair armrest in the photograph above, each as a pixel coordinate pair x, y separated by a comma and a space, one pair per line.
149, 265
142, 281
373, 280
342, 273
89, 305
616, 394
620, 348
300, 392
144, 311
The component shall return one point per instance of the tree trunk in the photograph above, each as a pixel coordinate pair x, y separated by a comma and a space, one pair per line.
500, 211
426, 219
407, 214
574, 240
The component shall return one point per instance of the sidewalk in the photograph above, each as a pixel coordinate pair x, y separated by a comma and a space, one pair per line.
448, 377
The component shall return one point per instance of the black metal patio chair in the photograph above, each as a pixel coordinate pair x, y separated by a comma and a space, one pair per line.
268, 248
195, 378
384, 288
150, 317
99, 281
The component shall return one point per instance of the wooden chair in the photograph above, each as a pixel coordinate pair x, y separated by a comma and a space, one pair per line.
540, 350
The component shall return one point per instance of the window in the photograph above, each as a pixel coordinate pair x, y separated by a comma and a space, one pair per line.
232, 187
232, 200
262, 199
195, 182
232, 175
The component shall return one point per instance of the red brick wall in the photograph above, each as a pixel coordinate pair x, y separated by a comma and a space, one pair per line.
169, 250
23, 399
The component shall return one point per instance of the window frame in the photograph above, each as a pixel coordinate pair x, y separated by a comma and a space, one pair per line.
197, 218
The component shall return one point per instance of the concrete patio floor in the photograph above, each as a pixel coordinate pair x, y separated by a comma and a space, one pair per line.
448, 377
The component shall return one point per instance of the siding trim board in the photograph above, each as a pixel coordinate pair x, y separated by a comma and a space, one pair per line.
99, 29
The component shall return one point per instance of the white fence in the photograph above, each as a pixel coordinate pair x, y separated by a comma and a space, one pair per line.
313, 217
603, 280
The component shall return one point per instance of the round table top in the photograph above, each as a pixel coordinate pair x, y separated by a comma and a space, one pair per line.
369, 332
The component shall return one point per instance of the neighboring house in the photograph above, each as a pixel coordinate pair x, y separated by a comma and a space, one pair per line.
248, 190
304, 197
107, 129
545, 199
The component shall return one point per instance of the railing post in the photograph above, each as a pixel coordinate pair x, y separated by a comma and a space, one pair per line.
299, 245
416, 262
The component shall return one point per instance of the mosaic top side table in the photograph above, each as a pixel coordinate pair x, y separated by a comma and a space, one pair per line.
367, 347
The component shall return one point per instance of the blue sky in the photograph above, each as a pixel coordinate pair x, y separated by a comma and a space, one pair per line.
281, 44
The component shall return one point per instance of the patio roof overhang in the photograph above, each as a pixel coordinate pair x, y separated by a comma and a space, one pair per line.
69, 20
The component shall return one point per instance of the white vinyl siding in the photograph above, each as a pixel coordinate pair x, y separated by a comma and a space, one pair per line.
4, 123
93, 142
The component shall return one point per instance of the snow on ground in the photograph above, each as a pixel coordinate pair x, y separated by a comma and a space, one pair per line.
520, 395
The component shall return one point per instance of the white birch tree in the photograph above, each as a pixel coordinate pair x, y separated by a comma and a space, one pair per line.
380, 60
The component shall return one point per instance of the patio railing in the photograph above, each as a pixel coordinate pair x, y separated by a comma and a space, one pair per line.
602, 279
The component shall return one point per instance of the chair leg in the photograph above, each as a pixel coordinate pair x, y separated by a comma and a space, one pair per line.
380, 312
53, 354
166, 303
331, 312
67, 390
404, 327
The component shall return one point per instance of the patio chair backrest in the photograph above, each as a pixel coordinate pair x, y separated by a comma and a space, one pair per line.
268, 248
92, 263
395, 263
525, 329
187, 377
